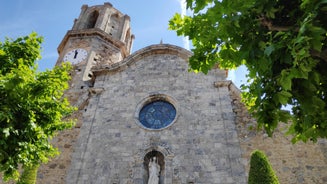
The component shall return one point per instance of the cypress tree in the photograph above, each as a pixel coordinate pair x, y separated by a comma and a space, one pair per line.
261, 171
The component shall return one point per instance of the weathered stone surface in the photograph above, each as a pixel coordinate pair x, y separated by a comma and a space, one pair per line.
201, 142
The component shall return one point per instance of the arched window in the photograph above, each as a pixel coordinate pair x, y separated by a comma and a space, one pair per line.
92, 19
113, 26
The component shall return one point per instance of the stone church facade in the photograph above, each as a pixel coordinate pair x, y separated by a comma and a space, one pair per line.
133, 107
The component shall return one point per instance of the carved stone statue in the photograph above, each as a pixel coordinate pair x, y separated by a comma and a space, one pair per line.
154, 170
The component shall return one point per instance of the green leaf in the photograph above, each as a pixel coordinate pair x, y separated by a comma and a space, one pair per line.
285, 80
269, 50
6, 132
283, 97
318, 35
284, 116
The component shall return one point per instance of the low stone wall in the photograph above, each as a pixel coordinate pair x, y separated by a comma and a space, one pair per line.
293, 163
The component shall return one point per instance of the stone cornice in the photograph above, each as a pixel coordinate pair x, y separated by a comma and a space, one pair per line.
92, 32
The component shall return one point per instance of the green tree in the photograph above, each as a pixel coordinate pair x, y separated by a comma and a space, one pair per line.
261, 170
32, 107
283, 45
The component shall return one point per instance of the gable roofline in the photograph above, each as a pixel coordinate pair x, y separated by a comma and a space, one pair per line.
142, 53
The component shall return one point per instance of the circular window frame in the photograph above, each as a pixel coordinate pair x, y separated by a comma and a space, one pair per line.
152, 98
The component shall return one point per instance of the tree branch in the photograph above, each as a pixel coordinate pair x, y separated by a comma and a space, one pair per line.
321, 55
268, 23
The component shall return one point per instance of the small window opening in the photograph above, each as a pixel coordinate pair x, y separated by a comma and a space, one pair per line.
92, 19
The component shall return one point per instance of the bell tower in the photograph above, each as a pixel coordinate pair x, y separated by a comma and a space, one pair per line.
100, 37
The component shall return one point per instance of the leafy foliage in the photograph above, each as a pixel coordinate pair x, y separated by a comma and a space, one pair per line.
283, 45
261, 170
32, 106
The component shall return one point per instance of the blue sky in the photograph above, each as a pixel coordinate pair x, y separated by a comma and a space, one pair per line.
52, 19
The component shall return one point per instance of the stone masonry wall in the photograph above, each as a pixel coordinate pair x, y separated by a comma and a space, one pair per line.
200, 147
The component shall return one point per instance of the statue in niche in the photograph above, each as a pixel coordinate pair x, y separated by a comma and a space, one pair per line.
154, 170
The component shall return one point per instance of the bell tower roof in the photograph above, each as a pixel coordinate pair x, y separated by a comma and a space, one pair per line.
105, 22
